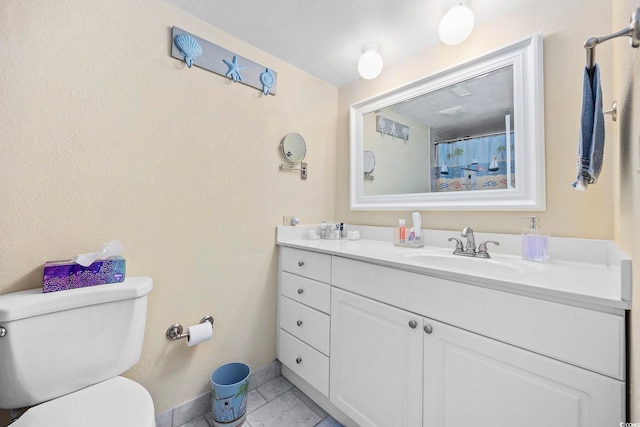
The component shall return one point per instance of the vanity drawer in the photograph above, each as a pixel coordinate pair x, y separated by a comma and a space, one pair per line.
307, 324
587, 338
306, 291
307, 264
305, 361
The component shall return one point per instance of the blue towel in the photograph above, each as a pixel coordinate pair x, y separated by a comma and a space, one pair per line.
591, 143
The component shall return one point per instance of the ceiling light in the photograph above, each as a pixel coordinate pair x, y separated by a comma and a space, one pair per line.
457, 22
370, 63
451, 111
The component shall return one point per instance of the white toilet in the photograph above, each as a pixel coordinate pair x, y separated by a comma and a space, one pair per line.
61, 353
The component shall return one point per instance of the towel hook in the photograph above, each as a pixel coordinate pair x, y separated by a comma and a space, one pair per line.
632, 30
613, 111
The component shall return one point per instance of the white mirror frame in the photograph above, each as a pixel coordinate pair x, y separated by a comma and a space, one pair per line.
529, 195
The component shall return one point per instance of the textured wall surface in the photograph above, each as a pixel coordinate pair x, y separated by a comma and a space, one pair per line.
626, 63
609, 209
104, 135
569, 213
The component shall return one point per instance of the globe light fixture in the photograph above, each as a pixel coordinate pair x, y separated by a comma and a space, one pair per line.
457, 23
370, 63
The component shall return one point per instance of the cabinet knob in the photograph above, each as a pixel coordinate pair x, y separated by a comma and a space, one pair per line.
300, 263
300, 291
299, 360
428, 328
413, 324
299, 323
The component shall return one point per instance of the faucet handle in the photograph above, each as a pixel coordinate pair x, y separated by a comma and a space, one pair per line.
482, 249
459, 245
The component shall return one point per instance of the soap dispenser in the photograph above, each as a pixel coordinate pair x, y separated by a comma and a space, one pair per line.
535, 243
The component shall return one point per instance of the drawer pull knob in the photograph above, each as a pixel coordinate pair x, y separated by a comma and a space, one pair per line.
300, 291
428, 328
299, 323
413, 324
300, 263
299, 360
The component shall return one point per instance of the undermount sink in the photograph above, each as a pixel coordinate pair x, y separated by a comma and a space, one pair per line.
458, 262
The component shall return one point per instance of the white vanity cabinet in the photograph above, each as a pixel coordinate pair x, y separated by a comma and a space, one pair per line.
422, 371
391, 347
303, 315
393, 367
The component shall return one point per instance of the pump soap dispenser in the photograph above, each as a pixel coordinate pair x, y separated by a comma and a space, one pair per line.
535, 243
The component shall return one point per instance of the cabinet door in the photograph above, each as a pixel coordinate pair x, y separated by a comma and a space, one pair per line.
376, 362
471, 380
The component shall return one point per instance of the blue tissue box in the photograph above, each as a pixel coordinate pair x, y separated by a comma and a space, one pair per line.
63, 275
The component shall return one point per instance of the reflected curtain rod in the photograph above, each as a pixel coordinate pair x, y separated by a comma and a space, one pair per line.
466, 138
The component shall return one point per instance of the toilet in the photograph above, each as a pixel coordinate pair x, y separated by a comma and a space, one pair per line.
62, 354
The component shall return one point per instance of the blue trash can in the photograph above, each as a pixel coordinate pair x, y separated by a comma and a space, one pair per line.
229, 388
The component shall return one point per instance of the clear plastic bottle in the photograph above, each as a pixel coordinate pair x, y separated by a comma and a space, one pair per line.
402, 231
535, 243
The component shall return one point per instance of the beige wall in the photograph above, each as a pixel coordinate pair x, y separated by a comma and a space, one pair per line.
394, 154
104, 135
626, 71
565, 25
608, 210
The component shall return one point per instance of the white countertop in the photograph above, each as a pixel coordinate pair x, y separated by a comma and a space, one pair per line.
588, 272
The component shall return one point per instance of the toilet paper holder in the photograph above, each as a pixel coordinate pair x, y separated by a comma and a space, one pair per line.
176, 331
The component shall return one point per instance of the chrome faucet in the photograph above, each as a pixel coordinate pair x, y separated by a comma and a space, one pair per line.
471, 241
470, 250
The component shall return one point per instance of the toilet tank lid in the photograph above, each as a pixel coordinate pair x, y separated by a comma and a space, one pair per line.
33, 302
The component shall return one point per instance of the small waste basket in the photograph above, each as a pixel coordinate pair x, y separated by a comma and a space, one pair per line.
229, 388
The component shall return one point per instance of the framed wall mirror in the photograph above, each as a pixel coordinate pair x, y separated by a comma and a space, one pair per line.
470, 137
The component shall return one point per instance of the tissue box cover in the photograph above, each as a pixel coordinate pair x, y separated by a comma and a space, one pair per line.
63, 275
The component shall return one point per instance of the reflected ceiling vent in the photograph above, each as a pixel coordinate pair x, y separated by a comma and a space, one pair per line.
450, 111
460, 90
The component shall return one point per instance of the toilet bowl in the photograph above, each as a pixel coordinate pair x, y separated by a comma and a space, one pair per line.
62, 354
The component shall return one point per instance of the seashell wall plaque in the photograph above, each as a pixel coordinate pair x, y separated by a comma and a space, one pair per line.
206, 55
188, 47
389, 127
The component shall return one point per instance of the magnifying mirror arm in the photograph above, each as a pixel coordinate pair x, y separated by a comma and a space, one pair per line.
302, 169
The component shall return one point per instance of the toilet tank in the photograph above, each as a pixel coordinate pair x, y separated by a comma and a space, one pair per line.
59, 342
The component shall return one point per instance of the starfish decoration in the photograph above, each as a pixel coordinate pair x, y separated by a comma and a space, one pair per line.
234, 69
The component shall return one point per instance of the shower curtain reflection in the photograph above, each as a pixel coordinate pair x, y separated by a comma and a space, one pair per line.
479, 163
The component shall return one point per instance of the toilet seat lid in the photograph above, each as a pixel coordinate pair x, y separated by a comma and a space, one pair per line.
115, 402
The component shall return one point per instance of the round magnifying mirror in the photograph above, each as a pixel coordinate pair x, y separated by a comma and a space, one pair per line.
369, 161
293, 148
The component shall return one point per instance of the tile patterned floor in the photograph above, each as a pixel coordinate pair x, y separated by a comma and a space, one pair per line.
278, 403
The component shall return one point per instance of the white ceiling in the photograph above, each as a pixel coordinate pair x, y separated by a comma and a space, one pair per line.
472, 107
324, 37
